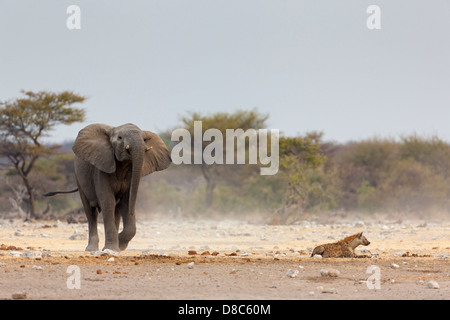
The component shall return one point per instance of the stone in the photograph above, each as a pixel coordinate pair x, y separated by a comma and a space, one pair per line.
78, 236
105, 253
32, 254
292, 273
15, 254
432, 284
329, 273
330, 290
19, 295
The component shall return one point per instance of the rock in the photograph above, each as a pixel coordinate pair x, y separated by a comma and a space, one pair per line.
19, 295
317, 256
324, 272
18, 234
105, 253
32, 254
78, 236
292, 273
110, 259
15, 254
330, 290
46, 253
432, 284
192, 252
190, 265
329, 273
395, 266
14, 248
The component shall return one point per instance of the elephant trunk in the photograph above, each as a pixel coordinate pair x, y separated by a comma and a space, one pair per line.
137, 150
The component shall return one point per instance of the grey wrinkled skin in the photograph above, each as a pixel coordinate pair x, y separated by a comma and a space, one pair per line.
109, 162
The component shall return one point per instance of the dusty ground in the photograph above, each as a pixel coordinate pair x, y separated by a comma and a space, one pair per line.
245, 261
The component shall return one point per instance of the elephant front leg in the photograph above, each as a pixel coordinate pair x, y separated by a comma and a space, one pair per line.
93, 232
111, 235
128, 232
129, 224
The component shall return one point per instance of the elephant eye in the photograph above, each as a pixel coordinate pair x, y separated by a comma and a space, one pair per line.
119, 137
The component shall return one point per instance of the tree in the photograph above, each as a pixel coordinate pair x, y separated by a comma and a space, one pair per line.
300, 157
214, 173
23, 124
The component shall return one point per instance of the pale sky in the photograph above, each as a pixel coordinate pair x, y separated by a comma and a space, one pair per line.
312, 65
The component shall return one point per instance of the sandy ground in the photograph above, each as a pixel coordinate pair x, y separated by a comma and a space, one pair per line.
231, 260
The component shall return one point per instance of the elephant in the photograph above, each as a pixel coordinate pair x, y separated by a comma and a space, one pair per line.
109, 162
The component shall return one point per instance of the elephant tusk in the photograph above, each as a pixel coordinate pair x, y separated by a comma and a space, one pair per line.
149, 148
127, 147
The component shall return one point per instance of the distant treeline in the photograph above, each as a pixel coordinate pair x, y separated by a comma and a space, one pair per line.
405, 176
408, 175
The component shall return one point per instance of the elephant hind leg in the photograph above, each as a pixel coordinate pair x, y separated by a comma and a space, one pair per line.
91, 215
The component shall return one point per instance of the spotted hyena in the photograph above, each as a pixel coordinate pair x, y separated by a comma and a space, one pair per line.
343, 248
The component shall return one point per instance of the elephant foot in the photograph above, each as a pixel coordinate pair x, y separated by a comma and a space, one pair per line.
111, 247
123, 245
92, 248
124, 239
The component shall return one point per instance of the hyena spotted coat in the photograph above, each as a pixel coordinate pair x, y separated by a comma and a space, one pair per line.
343, 248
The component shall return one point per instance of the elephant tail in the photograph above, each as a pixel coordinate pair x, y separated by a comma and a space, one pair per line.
51, 194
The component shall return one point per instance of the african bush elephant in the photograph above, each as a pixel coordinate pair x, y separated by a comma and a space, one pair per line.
109, 162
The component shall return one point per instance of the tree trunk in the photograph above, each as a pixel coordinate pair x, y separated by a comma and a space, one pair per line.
31, 212
210, 186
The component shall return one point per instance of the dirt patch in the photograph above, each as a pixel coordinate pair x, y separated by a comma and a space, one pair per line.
225, 260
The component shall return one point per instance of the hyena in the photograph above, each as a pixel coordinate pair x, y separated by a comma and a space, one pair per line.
343, 248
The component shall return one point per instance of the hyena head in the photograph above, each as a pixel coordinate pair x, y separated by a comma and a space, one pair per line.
359, 239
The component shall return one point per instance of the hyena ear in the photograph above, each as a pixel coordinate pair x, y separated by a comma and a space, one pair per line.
360, 235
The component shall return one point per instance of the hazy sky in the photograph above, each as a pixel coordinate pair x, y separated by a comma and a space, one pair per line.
312, 65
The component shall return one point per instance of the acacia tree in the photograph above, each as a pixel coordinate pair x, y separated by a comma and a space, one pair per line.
23, 124
240, 119
299, 159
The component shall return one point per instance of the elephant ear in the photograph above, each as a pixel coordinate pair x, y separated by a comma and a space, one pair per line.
93, 145
157, 156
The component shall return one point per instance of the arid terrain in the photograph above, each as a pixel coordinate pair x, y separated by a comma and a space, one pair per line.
225, 259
